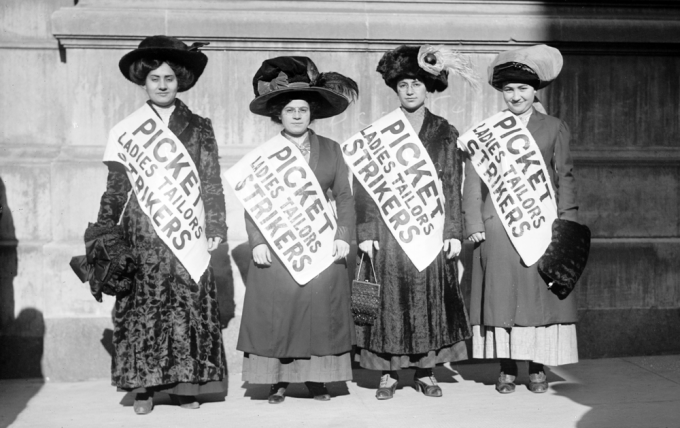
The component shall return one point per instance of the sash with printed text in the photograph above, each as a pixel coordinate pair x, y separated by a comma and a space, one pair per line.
281, 194
508, 160
165, 181
394, 168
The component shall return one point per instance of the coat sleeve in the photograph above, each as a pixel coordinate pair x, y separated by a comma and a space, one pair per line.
255, 237
453, 221
472, 200
367, 214
344, 201
114, 198
212, 191
565, 182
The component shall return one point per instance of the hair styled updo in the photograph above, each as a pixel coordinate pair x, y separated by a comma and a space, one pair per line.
143, 66
275, 106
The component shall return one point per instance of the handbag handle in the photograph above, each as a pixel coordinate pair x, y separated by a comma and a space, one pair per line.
372, 267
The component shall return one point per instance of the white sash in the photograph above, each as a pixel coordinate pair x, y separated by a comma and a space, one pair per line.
282, 195
166, 183
508, 160
393, 166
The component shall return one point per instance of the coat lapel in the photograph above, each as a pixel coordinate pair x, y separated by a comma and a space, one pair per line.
179, 120
313, 149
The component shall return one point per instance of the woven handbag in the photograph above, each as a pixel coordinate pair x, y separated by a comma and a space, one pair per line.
365, 298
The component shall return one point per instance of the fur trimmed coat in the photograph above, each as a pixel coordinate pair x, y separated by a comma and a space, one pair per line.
420, 311
505, 292
167, 328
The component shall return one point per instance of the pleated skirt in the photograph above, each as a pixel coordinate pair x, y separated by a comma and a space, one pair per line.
551, 345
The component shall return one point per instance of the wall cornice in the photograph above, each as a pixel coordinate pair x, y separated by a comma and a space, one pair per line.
481, 26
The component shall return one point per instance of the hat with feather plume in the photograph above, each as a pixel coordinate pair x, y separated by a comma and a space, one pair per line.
428, 64
289, 75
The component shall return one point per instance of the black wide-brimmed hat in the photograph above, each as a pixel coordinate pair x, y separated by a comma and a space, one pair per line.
288, 75
535, 65
170, 49
428, 64
566, 257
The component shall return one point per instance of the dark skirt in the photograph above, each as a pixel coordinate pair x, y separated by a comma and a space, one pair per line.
166, 330
283, 319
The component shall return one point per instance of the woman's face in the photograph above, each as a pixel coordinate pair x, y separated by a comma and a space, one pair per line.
161, 86
518, 96
412, 93
295, 117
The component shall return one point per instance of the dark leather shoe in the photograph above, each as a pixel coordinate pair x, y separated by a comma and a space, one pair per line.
505, 384
538, 383
143, 404
385, 392
277, 393
318, 391
428, 390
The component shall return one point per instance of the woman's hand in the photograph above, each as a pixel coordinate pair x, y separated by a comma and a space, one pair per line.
452, 248
213, 243
477, 237
340, 249
368, 245
261, 255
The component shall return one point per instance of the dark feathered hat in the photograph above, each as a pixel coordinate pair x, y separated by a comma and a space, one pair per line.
535, 65
286, 75
428, 64
566, 256
170, 49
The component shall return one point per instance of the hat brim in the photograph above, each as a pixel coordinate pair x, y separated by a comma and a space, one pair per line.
332, 104
192, 60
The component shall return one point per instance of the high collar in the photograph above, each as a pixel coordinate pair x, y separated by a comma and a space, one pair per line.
180, 117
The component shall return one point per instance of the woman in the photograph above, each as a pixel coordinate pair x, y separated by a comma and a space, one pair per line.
422, 320
294, 332
513, 313
167, 335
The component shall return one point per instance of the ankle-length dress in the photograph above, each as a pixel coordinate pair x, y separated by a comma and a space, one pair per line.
422, 320
167, 334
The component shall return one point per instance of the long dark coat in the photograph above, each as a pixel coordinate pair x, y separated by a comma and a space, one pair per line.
505, 293
167, 329
420, 311
283, 319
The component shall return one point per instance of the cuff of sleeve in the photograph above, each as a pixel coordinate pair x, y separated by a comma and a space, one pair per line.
216, 232
473, 228
366, 231
344, 233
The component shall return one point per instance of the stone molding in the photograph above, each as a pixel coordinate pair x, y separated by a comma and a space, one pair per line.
476, 26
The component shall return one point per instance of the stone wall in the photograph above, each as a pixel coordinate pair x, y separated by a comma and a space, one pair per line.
619, 92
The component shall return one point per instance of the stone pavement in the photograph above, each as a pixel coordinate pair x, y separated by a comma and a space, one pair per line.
640, 392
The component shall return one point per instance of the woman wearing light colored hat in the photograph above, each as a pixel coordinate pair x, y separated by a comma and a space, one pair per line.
513, 313
293, 332
422, 320
167, 335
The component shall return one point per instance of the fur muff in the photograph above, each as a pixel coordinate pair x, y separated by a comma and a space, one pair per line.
566, 256
402, 63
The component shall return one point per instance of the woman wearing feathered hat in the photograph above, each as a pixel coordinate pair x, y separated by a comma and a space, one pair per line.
167, 335
293, 332
514, 314
422, 320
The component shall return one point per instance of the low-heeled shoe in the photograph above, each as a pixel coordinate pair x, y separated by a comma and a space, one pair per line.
277, 394
427, 390
505, 384
386, 392
538, 383
318, 391
142, 405
188, 402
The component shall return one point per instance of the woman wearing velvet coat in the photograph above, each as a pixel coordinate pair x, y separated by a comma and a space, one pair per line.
167, 335
294, 332
513, 313
422, 320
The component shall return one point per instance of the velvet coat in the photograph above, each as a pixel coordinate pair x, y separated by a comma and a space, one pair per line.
505, 292
167, 329
420, 311
284, 319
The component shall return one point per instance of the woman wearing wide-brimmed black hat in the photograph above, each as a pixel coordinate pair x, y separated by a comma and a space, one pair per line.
167, 335
422, 320
294, 332
513, 313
